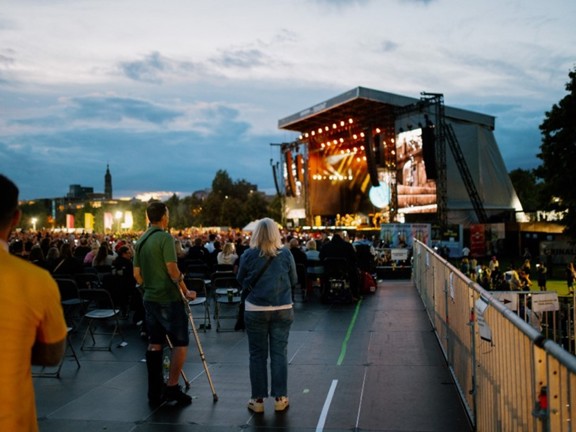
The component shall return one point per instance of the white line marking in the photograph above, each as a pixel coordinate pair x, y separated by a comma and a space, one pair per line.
326, 407
361, 397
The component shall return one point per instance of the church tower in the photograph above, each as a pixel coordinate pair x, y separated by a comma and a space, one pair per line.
108, 183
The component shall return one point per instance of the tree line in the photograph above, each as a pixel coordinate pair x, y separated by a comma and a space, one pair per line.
228, 204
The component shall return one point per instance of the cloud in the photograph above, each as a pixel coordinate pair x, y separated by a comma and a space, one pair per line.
242, 59
115, 109
154, 68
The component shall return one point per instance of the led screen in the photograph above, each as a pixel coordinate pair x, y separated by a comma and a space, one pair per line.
416, 191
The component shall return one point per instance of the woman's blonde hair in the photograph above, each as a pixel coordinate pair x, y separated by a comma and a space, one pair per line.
266, 237
229, 248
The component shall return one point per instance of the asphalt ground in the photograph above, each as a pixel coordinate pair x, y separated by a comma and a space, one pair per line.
371, 366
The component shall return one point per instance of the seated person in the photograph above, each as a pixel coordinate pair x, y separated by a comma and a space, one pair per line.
339, 248
365, 254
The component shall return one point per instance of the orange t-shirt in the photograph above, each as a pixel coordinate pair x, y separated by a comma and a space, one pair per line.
30, 310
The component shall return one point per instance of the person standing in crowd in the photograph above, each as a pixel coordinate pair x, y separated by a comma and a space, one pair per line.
156, 270
32, 325
541, 274
268, 314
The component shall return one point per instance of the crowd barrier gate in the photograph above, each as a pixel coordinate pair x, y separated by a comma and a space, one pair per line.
509, 376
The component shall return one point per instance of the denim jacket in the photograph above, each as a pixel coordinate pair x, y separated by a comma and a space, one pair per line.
274, 288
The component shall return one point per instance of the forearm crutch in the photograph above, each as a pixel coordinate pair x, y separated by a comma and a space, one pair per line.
186, 382
200, 350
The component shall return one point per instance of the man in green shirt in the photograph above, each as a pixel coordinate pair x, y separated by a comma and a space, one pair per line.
156, 270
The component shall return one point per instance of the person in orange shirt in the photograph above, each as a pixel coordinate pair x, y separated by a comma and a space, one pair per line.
32, 325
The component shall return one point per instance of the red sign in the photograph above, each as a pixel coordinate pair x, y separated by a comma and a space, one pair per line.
477, 240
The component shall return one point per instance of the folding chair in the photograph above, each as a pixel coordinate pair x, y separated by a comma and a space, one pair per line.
88, 280
100, 311
226, 300
200, 302
72, 304
45, 371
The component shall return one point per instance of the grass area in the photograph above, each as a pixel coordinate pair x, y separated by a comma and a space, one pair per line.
553, 285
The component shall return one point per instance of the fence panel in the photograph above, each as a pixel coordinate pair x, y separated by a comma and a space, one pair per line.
510, 377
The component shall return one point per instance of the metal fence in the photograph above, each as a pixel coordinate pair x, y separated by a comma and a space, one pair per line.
509, 375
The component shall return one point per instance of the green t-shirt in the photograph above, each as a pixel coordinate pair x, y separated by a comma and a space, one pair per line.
157, 250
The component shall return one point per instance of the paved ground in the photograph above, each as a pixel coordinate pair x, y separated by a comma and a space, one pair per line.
375, 366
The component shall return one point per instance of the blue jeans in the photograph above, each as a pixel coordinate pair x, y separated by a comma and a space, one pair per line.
268, 330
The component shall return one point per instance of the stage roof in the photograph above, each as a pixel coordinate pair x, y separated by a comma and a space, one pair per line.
366, 104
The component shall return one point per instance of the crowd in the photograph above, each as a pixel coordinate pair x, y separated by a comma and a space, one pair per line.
493, 277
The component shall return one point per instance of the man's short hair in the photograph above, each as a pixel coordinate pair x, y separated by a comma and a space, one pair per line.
8, 200
155, 211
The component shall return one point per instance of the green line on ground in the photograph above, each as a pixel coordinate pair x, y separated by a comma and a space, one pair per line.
348, 333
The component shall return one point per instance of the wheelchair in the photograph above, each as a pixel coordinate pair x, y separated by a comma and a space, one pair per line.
335, 286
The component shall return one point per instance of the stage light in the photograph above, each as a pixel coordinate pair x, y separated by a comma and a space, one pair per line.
334, 126
377, 130
355, 136
362, 134
319, 130
341, 140
300, 137
342, 123
306, 134
313, 133
350, 121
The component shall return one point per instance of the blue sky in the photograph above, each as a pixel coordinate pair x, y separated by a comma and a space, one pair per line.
169, 92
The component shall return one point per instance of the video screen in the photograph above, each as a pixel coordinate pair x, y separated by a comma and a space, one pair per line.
416, 190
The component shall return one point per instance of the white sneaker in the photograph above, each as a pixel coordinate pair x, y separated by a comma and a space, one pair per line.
281, 403
256, 405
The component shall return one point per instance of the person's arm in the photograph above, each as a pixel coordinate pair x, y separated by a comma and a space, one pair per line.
48, 354
138, 276
178, 278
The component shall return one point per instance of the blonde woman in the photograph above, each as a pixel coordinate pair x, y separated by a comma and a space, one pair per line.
228, 254
268, 270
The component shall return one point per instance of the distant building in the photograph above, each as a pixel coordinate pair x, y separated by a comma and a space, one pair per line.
108, 183
78, 192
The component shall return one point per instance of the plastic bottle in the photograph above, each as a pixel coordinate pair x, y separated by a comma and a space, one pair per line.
166, 367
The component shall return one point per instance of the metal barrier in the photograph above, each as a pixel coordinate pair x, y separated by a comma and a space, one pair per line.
510, 377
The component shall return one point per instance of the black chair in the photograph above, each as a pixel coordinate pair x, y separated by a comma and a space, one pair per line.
226, 291
54, 372
301, 273
72, 304
88, 280
100, 314
200, 302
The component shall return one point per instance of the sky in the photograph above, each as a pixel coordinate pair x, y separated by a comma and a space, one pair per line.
169, 92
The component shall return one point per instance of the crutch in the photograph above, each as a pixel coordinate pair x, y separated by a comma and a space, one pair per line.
200, 350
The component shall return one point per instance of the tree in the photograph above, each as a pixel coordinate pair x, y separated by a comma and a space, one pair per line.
558, 154
528, 188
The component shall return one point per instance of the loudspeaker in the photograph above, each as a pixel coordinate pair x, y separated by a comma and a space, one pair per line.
370, 160
429, 152
275, 174
290, 183
300, 168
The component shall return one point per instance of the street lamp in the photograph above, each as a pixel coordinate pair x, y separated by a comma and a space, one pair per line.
34, 220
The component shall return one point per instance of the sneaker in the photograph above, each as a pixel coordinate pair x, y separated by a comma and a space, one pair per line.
175, 394
256, 405
281, 403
